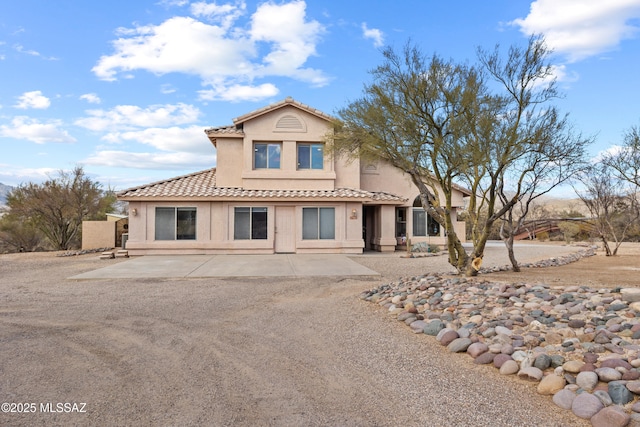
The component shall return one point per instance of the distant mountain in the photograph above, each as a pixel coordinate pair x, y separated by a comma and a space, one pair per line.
4, 191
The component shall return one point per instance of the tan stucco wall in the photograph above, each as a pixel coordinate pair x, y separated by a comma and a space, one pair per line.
381, 176
235, 162
214, 229
98, 234
229, 171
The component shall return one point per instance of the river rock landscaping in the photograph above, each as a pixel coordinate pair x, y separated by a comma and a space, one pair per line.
579, 345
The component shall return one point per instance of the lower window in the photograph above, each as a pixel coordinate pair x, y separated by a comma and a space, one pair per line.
175, 223
318, 223
424, 225
250, 223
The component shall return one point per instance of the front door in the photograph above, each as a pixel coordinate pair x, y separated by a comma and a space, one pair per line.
285, 229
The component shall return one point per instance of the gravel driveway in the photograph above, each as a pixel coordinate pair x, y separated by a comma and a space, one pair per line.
259, 352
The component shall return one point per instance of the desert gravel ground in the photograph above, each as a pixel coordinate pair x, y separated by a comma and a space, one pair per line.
230, 352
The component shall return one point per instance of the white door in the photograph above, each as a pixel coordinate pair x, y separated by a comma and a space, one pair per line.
285, 229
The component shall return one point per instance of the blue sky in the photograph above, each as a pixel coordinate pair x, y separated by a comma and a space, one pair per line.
126, 88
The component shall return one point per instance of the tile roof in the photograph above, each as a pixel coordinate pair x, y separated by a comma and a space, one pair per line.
225, 130
203, 185
287, 101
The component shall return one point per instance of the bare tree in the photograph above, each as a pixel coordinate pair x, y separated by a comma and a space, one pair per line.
614, 209
625, 162
533, 147
59, 205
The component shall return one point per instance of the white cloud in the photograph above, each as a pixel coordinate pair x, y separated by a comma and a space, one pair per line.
373, 34
293, 40
126, 159
580, 29
19, 48
237, 93
187, 140
91, 98
170, 3
180, 44
227, 55
16, 175
33, 99
225, 14
32, 130
130, 117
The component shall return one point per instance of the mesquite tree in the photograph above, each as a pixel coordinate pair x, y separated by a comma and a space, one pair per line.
488, 127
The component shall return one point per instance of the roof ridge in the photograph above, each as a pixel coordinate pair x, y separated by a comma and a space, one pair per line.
273, 106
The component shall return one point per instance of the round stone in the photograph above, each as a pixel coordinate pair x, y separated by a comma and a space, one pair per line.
551, 384
460, 345
587, 380
504, 331
572, 366
608, 374
484, 358
634, 387
615, 363
542, 361
604, 397
611, 416
531, 373
499, 360
587, 367
448, 337
586, 405
557, 360
509, 367
590, 357
519, 355
477, 319
576, 323
631, 375
418, 326
564, 398
630, 294
433, 327
620, 394
476, 349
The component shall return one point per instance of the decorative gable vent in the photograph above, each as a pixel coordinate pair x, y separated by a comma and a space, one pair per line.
290, 123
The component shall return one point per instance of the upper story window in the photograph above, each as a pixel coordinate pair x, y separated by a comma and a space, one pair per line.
266, 155
311, 156
175, 224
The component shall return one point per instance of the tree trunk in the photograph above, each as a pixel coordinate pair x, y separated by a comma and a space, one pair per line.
458, 257
512, 257
605, 246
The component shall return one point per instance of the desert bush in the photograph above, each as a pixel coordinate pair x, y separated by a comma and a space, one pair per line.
543, 236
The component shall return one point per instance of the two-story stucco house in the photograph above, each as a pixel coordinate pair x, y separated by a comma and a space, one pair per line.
277, 189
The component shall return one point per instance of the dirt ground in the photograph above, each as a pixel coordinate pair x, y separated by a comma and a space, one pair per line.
247, 352
600, 270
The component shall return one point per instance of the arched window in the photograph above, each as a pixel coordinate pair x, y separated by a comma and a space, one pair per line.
423, 224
